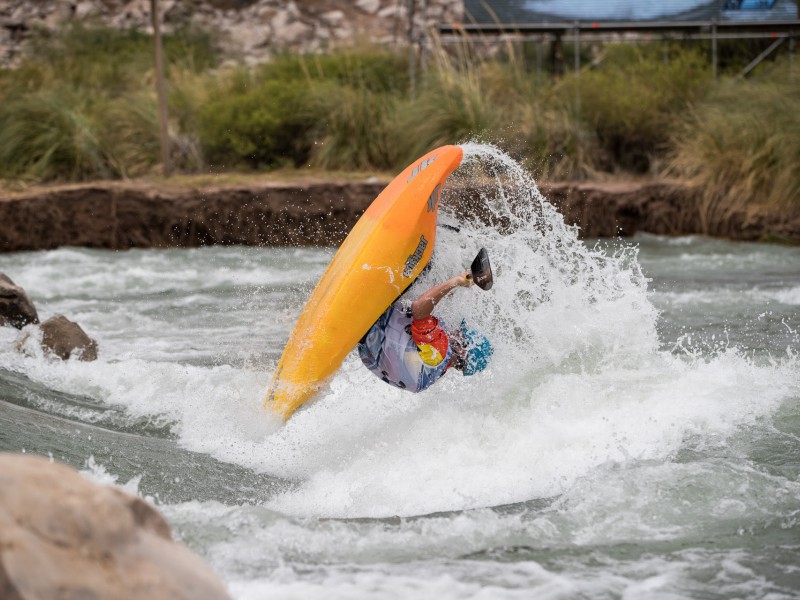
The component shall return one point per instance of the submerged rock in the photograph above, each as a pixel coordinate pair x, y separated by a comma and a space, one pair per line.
62, 536
60, 337
16, 308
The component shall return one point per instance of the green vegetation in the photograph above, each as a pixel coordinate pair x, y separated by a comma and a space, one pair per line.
82, 106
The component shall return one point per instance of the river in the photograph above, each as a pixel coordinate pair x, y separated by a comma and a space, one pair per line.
637, 434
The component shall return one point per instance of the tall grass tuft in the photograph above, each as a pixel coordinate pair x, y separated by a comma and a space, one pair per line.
742, 145
358, 131
452, 107
51, 135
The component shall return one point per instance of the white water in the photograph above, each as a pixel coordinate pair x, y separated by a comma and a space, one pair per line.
610, 424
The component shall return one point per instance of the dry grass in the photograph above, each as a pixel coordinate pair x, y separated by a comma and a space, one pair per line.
742, 146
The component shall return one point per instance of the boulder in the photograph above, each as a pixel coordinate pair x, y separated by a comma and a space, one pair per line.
60, 337
65, 338
62, 536
16, 308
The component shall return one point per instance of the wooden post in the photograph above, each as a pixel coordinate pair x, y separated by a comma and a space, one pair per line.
539, 60
577, 69
557, 56
714, 49
411, 68
160, 88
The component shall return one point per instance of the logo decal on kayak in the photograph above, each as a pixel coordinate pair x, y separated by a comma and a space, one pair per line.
421, 167
414, 259
434, 198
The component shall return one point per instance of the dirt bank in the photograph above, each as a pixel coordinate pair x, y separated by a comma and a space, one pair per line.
127, 215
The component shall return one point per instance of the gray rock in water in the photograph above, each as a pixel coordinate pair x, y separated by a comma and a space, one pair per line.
16, 308
62, 536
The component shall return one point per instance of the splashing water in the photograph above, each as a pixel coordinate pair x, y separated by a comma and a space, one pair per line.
609, 450
576, 382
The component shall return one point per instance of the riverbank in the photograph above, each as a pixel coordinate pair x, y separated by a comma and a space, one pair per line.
320, 212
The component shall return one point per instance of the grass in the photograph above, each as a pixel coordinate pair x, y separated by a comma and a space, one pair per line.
632, 102
742, 145
81, 106
52, 134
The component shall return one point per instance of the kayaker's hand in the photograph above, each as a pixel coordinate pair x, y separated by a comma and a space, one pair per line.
464, 280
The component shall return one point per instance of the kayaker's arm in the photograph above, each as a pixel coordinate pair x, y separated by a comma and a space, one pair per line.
423, 306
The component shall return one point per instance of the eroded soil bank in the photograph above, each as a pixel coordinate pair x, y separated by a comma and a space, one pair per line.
127, 215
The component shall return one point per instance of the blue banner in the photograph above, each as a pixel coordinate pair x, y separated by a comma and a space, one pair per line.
551, 11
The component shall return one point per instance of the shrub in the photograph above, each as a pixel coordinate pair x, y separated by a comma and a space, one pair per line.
261, 125
272, 116
630, 102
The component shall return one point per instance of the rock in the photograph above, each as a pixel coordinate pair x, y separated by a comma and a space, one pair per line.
369, 6
293, 22
62, 536
293, 33
334, 18
343, 33
280, 20
63, 338
248, 37
292, 9
63, 11
16, 308
265, 13
395, 11
86, 9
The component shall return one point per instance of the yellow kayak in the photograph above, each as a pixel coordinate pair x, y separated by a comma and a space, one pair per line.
385, 251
